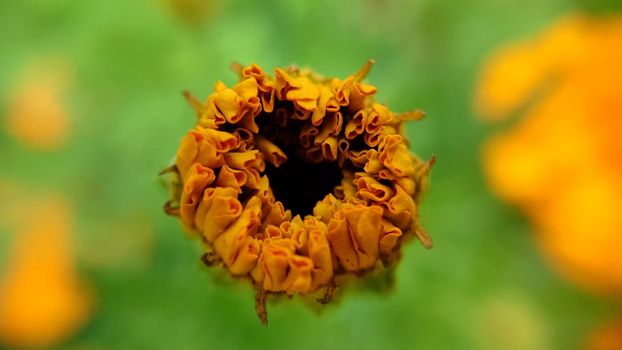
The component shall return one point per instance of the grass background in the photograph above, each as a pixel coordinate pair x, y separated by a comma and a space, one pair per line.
485, 285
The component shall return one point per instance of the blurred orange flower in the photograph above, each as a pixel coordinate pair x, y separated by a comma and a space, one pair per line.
296, 181
608, 337
41, 300
37, 114
562, 161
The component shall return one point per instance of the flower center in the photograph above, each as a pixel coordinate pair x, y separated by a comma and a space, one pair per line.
300, 184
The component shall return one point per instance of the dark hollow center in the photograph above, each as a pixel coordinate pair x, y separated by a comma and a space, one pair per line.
299, 185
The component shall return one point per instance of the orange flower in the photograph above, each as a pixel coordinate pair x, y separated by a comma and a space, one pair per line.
562, 162
608, 337
294, 181
41, 299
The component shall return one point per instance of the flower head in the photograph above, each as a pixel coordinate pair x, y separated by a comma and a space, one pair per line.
295, 180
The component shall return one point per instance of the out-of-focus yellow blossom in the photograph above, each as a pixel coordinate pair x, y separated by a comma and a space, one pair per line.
41, 300
561, 163
297, 180
37, 114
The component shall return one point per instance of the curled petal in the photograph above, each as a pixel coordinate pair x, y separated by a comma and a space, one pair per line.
372, 140
253, 178
325, 209
307, 133
246, 258
296, 234
373, 165
389, 236
369, 188
271, 152
331, 126
248, 122
245, 160
356, 125
197, 179
280, 270
231, 178
275, 215
225, 104
378, 117
401, 208
203, 146
271, 266
301, 90
395, 156
229, 244
387, 174
341, 90
329, 149
221, 140
325, 94
264, 192
353, 234
299, 276
265, 86
270, 231
219, 207
318, 250
359, 94
359, 158
246, 140
247, 90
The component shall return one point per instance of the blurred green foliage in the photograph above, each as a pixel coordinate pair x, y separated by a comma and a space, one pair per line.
483, 286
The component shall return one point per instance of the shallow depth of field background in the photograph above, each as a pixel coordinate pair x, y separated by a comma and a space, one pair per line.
123, 66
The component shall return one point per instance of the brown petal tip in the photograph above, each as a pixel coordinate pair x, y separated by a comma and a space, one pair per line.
237, 67
168, 170
260, 306
169, 209
423, 237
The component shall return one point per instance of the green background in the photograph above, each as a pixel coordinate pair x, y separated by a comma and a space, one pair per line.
484, 285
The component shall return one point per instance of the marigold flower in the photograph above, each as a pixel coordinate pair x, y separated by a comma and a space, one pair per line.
562, 163
295, 180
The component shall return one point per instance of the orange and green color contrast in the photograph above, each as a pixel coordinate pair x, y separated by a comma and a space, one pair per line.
298, 182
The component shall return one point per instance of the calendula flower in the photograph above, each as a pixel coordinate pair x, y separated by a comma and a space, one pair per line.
562, 161
294, 181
